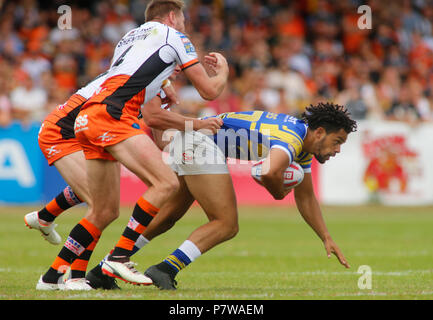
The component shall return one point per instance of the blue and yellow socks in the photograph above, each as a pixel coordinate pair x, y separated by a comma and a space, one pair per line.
182, 256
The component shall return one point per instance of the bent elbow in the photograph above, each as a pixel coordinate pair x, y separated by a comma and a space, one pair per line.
153, 122
278, 197
210, 93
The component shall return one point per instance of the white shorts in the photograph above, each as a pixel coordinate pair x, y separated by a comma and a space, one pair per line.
193, 153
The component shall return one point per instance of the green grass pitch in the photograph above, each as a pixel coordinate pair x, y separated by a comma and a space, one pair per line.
275, 256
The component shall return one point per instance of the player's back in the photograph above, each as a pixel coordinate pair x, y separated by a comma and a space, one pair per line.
64, 115
251, 134
142, 60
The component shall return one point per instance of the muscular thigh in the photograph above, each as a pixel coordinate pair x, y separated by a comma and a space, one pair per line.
141, 156
215, 194
72, 167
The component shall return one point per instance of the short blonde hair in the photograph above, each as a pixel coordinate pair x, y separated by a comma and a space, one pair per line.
161, 8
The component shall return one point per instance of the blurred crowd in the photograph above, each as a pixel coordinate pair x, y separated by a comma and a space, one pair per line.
283, 55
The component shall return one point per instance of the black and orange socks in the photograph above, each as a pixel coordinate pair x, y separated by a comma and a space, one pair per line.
78, 247
64, 200
141, 217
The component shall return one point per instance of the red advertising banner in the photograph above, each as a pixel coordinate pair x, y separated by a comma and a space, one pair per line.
247, 191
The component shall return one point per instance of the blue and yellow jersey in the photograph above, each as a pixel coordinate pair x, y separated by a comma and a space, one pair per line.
250, 135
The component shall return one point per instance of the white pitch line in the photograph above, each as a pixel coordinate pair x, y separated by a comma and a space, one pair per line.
321, 272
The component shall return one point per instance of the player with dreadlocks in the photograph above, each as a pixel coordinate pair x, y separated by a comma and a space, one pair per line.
277, 140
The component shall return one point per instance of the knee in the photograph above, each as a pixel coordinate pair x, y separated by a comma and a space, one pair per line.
169, 187
231, 229
110, 216
102, 218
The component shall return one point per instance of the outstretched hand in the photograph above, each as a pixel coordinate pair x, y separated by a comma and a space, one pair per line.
332, 248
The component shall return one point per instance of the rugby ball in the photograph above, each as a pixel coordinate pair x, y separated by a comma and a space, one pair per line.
293, 175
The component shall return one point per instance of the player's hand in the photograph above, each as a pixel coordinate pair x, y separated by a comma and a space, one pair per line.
211, 124
332, 248
217, 63
171, 96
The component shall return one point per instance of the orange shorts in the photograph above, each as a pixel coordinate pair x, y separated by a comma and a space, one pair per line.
96, 129
53, 145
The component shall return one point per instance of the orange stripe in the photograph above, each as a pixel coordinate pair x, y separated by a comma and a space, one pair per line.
125, 243
59, 263
188, 64
75, 100
92, 246
79, 265
140, 228
147, 207
53, 208
95, 232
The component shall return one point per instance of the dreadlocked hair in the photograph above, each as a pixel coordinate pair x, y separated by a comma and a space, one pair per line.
331, 117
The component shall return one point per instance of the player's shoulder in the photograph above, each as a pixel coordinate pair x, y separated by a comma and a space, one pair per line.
293, 123
176, 35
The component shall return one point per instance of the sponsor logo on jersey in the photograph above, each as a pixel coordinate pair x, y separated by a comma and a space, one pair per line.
189, 47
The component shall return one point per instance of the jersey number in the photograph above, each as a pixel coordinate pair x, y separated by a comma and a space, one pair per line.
121, 58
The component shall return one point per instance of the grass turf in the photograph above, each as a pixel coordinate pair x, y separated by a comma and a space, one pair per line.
275, 256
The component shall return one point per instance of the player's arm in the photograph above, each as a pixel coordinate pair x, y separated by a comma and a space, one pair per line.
310, 210
161, 119
209, 87
272, 176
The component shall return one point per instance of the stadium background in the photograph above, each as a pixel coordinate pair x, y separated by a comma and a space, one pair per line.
283, 55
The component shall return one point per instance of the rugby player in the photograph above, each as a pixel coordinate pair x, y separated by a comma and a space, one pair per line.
109, 134
280, 139
57, 142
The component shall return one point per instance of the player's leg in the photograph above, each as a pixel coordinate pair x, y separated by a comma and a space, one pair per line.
104, 188
218, 200
208, 180
72, 168
67, 157
169, 214
141, 156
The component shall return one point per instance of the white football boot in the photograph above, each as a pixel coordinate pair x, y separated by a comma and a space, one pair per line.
125, 270
77, 284
41, 285
48, 232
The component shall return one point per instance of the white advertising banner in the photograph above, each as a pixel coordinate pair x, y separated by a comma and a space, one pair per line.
383, 162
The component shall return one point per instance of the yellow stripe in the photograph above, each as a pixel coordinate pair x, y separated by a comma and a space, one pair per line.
293, 132
254, 117
176, 261
275, 131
